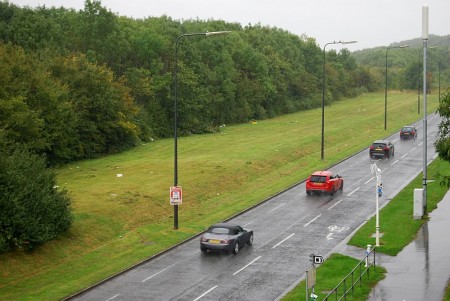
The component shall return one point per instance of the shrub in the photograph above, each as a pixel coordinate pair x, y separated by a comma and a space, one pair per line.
32, 209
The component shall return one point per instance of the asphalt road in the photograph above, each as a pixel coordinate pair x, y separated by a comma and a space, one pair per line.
288, 228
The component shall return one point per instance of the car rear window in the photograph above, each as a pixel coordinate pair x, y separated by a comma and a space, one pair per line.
318, 179
407, 129
220, 230
379, 145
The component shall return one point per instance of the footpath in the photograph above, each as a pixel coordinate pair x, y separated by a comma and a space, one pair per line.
421, 271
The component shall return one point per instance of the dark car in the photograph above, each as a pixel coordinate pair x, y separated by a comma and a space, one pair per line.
408, 132
324, 181
381, 149
226, 237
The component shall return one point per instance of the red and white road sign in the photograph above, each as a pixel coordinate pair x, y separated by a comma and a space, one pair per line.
176, 195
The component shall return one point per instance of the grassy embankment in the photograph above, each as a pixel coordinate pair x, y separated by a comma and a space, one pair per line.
120, 221
398, 229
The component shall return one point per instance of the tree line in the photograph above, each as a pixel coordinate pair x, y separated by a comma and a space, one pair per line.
91, 82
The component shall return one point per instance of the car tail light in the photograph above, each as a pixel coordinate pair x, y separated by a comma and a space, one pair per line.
203, 239
386, 148
225, 241
371, 147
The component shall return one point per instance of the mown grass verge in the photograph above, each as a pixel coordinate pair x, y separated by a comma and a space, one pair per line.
333, 271
398, 228
120, 221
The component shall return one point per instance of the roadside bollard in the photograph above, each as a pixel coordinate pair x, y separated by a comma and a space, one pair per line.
367, 255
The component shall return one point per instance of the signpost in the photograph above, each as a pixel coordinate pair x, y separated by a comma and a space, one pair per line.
311, 276
374, 170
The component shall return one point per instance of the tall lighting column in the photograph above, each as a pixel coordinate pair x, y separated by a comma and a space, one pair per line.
425, 43
386, 84
323, 94
175, 123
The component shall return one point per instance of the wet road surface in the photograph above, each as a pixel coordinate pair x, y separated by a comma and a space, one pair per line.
421, 270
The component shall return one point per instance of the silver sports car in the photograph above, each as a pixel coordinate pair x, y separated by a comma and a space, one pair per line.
226, 237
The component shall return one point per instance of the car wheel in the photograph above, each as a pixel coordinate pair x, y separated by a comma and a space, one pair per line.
342, 186
308, 193
236, 248
332, 191
204, 250
250, 240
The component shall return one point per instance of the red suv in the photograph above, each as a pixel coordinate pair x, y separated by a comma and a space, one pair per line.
324, 182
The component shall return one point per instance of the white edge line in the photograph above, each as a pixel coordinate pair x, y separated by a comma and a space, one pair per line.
312, 220
404, 155
205, 293
282, 241
159, 272
335, 204
277, 207
369, 180
413, 148
353, 192
113, 297
247, 265
394, 162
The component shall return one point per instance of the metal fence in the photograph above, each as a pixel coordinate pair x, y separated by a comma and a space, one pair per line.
355, 277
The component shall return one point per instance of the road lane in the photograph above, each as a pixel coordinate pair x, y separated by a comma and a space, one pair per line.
288, 228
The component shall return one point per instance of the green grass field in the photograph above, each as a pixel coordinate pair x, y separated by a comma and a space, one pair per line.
120, 221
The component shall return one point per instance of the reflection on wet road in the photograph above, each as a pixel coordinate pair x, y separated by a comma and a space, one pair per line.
422, 269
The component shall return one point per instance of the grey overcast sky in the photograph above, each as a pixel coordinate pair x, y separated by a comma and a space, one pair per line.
371, 22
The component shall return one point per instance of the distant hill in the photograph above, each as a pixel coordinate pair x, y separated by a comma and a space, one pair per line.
376, 57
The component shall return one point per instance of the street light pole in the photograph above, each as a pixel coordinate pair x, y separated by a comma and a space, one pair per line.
425, 142
377, 173
175, 122
323, 94
386, 84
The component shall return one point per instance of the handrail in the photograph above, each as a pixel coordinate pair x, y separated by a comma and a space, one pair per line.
367, 265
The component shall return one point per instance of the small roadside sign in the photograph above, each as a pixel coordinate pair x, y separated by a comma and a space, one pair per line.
176, 195
317, 259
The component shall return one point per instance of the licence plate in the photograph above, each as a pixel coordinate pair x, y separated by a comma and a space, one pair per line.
214, 241
318, 184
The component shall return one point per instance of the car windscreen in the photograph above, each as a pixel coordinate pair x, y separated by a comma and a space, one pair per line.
219, 230
318, 179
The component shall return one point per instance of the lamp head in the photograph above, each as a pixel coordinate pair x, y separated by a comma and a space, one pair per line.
216, 33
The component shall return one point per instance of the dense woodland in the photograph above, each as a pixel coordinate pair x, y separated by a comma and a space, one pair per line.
80, 84
85, 83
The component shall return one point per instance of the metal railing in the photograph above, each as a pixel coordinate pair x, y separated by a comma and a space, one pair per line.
348, 284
